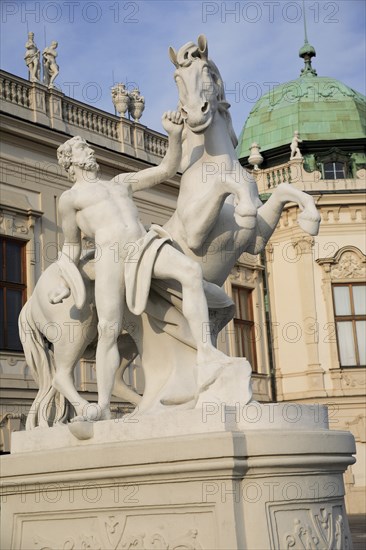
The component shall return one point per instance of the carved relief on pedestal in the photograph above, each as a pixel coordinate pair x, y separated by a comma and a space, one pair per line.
156, 541
119, 532
312, 527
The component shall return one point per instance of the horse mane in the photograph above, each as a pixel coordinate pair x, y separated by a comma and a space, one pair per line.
189, 53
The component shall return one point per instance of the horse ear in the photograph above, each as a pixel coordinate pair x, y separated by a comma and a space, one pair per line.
202, 45
173, 56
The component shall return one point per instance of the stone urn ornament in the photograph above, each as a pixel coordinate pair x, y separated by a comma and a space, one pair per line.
120, 98
255, 158
137, 104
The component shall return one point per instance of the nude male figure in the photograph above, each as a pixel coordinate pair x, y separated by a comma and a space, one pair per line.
295, 150
104, 211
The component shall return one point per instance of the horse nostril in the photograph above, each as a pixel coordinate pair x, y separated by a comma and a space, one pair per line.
183, 113
204, 108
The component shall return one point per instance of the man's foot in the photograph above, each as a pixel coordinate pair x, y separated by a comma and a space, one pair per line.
210, 364
92, 412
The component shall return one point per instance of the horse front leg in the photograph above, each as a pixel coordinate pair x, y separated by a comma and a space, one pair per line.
269, 215
309, 219
245, 212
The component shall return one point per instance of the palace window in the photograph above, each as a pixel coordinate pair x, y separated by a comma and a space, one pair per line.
244, 327
12, 291
350, 317
334, 171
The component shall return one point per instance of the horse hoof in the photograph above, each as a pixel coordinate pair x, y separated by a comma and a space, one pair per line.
245, 222
81, 429
310, 226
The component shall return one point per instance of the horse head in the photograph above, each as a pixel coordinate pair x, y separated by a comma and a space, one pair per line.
200, 86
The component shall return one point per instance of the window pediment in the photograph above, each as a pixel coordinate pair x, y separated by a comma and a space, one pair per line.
348, 263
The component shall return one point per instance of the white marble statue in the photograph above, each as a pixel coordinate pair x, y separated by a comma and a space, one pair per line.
50, 67
219, 216
295, 149
32, 59
105, 212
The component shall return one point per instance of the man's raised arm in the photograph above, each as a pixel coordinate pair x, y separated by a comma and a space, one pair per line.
173, 124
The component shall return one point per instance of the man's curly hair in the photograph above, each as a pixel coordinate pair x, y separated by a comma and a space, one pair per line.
64, 155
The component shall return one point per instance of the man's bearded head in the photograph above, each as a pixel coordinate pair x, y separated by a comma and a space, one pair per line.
66, 160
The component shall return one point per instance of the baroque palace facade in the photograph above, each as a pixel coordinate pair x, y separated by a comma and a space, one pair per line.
286, 322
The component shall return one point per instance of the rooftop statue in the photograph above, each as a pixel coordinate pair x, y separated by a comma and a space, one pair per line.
50, 67
295, 149
172, 315
32, 59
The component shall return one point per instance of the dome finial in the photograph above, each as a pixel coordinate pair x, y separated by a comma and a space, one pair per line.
307, 51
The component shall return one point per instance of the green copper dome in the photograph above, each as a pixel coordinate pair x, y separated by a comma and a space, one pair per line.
320, 108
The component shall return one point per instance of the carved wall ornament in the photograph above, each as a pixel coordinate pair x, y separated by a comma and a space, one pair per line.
358, 427
304, 245
349, 267
244, 275
348, 263
354, 380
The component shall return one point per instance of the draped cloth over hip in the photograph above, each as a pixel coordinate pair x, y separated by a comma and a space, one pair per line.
139, 265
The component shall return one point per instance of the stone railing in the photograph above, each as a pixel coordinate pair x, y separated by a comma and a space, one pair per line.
16, 90
155, 143
278, 175
291, 172
50, 107
83, 116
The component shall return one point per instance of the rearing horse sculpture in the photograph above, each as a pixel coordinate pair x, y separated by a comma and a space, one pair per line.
219, 216
206, 225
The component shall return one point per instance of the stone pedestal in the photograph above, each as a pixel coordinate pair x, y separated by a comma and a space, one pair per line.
253, 477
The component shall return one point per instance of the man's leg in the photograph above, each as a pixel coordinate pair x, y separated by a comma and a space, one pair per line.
172, 264
109, 299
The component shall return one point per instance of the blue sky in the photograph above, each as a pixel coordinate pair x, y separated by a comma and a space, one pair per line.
254, 43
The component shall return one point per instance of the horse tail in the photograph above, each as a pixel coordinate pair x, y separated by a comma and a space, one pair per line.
49, 405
